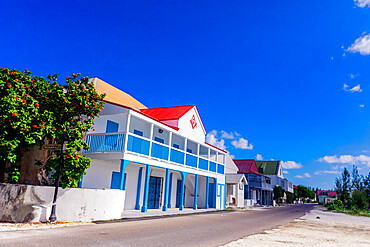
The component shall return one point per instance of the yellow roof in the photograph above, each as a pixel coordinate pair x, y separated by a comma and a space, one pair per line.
115, 95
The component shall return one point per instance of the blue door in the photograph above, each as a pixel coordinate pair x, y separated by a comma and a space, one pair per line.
154, 192
110, 142
212, 195
178, 193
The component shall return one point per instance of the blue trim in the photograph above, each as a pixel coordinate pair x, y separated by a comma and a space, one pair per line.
206, 206
166, 190
137, 206
195, 207
170, 192
160, 140
124, 164
144, 208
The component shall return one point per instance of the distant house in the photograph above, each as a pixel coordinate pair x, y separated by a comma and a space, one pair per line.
259, 189
274, 170
235, 184
325, 196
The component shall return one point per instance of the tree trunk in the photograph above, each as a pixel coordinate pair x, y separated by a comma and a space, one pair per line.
29, 171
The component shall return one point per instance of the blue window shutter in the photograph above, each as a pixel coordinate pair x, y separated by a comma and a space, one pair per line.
138, 132
116, 178
176, 146
112, 127
158, 140
189, 150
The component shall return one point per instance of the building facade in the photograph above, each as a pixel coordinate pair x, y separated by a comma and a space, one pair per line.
157, 156
259, 188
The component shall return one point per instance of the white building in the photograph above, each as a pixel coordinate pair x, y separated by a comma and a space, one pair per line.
235, 184
157, 156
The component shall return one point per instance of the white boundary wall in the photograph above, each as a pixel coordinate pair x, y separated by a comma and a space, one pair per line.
27, 203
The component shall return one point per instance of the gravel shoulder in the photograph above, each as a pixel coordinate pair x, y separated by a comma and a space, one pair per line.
316, 228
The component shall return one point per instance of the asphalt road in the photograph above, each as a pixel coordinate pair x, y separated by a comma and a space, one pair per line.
211, 229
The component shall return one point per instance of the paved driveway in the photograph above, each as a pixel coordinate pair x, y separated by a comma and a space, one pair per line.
212, 229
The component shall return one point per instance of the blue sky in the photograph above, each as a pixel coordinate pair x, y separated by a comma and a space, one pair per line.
283, 75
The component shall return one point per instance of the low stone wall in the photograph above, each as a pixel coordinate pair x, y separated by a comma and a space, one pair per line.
28, 203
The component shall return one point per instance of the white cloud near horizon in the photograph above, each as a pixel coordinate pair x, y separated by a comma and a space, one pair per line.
361, 45
212, 139
259, 157
327, 172
285, 172
362, 105
362, 3
347, 159
305, 175
291, 165
242, 143
354, 89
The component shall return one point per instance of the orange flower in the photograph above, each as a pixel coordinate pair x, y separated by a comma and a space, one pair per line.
14, 114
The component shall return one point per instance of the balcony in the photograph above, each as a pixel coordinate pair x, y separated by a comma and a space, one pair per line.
136, 144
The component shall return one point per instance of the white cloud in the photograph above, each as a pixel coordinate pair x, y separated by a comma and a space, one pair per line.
285, 172
362, 105
259, 157
327, 172
291, 165
347, 159
232, 156
212, 139
361, 45
354, 89
305, 175
227, 135
242, 143
362, 3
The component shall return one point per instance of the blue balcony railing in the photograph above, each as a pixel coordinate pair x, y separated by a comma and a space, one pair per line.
220, 169
203, 164
138, 145
106, 142
159, 151
191, 160
212, 166
177, 156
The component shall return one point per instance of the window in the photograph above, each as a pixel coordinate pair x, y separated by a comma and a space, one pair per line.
157, 139
176, 146
138, 132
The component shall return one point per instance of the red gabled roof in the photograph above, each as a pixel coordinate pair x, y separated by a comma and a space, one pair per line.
167, 113
330, 192
215, 147
247, 166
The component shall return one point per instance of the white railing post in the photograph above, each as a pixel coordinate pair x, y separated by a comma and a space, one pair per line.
185, 149
127, 131
151, 139
169, 145
198, 153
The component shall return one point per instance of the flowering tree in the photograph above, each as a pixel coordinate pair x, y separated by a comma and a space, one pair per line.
38, 111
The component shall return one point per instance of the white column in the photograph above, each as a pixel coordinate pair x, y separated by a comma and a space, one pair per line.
127, 131
151, 139
170, 146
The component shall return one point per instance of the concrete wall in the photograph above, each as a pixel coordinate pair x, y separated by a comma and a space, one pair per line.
28, 203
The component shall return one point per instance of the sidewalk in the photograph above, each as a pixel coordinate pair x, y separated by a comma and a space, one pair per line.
127, 215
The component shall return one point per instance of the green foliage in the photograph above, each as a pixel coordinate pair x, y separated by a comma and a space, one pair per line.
359, 199
36, 111
289, 197
304, 192
331, 207
343, 187
338, 203
278, 192
14, 174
